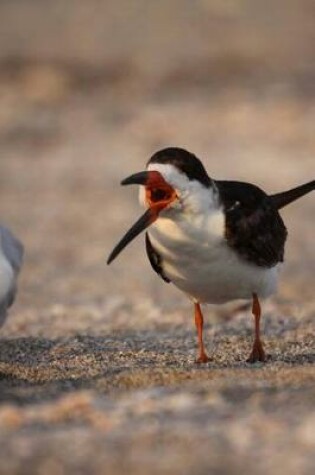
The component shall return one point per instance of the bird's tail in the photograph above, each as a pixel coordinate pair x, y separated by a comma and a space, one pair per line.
286, 197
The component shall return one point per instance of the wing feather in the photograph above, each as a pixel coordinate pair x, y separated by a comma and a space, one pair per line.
254, 228
12, 248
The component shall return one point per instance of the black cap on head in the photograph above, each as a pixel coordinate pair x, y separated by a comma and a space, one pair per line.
184, 161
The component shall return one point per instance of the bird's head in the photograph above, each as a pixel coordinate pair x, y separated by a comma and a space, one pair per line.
174, 181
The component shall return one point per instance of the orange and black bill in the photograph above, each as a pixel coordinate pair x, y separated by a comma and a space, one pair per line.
159, 194
140, 178
146, 219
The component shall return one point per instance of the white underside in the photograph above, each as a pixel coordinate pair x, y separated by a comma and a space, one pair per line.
6, 276
189, 236
7, 283
197, 260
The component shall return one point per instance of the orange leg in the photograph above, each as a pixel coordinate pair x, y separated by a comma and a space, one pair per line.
203, 357
257, 353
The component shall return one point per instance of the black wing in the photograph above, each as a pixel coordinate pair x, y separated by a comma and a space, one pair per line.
253, 227
155, 259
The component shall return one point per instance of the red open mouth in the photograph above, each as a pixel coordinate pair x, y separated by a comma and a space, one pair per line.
159, 194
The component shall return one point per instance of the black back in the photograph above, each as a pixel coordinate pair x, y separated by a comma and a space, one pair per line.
184, 161
254, 228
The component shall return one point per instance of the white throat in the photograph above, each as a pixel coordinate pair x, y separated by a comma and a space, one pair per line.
193, 196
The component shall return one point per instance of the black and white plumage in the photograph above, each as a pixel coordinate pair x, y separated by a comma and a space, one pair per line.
11, 259
215, 240
155, 259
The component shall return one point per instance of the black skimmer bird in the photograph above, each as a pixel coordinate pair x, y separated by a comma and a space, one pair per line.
11, 258
215, 240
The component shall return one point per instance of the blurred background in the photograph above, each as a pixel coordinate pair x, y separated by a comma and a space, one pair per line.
90, 90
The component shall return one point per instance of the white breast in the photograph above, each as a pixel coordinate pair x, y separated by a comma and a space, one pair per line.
6, 276
197, 259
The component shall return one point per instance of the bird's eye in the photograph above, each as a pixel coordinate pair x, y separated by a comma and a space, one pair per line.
157, 194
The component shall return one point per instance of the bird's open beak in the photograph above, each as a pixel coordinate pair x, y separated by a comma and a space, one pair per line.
154, 182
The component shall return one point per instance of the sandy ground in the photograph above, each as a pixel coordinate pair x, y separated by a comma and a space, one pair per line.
97, 363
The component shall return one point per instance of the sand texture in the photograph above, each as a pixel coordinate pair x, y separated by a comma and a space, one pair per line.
97, 363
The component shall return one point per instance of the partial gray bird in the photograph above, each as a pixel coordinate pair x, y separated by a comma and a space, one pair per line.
11, 259
215, 240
